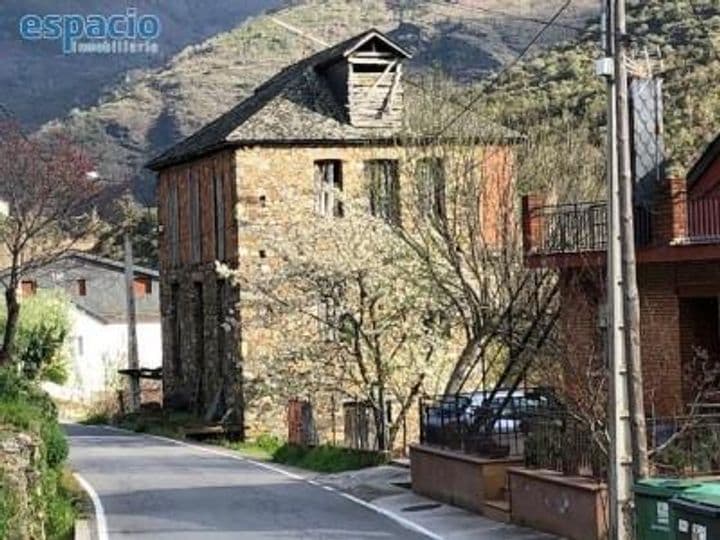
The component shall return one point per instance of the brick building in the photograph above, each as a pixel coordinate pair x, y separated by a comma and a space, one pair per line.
677, 237
320, 127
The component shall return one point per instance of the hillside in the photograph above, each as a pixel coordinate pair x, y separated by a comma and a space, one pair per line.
39, 83
560, 86
151, 109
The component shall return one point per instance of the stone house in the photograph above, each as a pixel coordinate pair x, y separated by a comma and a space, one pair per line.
677, 239
324, 126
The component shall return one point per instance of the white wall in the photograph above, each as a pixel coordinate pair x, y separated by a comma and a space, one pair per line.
98, 350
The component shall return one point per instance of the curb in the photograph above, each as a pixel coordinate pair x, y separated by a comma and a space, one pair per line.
82, 530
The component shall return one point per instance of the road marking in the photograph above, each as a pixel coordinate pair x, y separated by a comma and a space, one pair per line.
97, 504
403, 522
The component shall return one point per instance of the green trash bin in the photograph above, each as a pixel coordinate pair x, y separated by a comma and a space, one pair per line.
695, 514
652, 506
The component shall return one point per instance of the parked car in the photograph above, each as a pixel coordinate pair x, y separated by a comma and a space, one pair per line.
520, 406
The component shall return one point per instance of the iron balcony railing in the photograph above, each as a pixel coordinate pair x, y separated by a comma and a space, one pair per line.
704, 219
582, 227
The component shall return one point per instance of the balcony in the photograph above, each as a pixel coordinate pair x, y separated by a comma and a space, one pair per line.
703, 220
578, 228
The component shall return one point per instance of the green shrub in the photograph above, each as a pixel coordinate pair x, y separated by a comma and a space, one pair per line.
269, 443
327, 458
40, 343
56, 446
25, 407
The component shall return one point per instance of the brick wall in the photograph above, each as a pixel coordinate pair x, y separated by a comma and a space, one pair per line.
668, 332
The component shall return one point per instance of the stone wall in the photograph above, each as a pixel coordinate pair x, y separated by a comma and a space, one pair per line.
20, 483
261, 184
272, 182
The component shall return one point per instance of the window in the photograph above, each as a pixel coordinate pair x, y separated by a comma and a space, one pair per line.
195, 233
28, 287
220, 324
142, 285
199, 328
80, 346
430, 178
174, 225
330, 311
81, 287
328, 179
262, 199
175, 328
219, 207
262, 254
327, 319
384, 189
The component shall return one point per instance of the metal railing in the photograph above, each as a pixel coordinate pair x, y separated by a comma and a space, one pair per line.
685, 446
561, 442
704, 219
582, 227
466, 424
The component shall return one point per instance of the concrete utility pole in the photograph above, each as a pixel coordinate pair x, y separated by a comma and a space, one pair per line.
620, 480
631, 303
133, 362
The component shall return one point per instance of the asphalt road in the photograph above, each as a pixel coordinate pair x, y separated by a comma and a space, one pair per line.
151, 488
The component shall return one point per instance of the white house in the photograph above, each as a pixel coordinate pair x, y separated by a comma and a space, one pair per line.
98, 348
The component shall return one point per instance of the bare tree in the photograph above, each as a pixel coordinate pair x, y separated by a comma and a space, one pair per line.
347, 316
48, 189
463, 227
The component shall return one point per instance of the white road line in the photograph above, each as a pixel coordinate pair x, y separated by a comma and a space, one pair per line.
97, 504
382, 511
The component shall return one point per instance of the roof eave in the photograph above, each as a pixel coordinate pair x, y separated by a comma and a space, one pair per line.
379, 35
706, 159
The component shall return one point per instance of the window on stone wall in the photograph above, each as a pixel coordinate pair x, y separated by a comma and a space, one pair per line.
329, 188
327, 319
173, 225
81, 287
430, 181
195, 231
176, 344
384, 189
222, 326
199, 329
219, 212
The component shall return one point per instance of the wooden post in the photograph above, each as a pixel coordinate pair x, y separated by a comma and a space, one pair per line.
631, 298
133, 362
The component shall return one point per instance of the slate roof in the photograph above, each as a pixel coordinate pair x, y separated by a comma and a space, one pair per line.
295, 106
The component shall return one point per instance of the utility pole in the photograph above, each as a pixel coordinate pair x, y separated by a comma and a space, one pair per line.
133, 363
631, 301
620, 479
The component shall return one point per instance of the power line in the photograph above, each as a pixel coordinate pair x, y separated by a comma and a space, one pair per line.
512, 16
508, 66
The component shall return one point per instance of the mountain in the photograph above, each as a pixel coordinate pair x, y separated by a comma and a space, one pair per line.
152, 108
677, 41
39, 83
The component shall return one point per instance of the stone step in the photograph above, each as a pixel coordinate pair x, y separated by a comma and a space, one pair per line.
497, 510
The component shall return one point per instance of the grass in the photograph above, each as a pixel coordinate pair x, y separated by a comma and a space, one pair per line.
327, 458
266, 447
